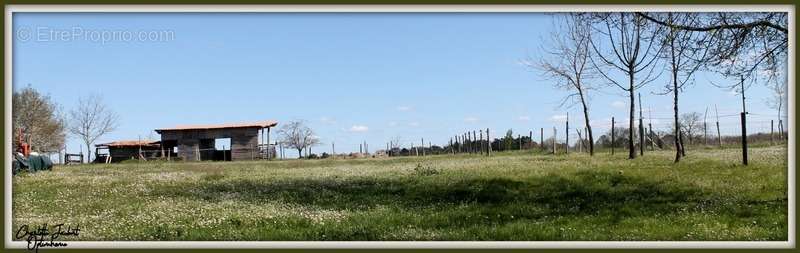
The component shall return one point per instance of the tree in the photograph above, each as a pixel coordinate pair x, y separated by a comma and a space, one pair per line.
91, 120
394, 145
508, 140
685, 52
568, 65
297, 135
40, 120
741, 43
691, 123
633, 50
778, 99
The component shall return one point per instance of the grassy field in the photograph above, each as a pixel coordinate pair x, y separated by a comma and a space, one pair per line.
509, 196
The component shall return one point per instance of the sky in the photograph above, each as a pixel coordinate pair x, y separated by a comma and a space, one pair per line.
352, 77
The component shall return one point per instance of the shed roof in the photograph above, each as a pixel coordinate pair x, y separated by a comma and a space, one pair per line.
130, 143
259, 124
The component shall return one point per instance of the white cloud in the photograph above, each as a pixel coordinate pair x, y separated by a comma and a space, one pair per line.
618, 104
524, 118
558, 118
327, 120
471, 119
413, 124
359, 128
392, 123
404, 108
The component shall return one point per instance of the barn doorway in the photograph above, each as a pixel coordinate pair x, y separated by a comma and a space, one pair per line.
222, 148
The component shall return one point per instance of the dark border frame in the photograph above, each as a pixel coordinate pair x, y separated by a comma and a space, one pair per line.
396, 2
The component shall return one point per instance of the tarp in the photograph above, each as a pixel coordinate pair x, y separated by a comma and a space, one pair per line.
31, 163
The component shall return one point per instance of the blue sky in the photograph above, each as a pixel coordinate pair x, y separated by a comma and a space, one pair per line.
352, 77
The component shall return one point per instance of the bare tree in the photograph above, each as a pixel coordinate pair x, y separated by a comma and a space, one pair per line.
91, 120
568, 63
685, 51
39, 119
691, 124
394, 143
631, 49
297, 135
741, 43
778, 99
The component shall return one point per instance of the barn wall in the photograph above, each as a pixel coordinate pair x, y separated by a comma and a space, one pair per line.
119, 154
244, 141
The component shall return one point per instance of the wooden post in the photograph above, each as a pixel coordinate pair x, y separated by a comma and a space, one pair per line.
641, 127
566, 134
744, 126
530, 139
650, 135
744, 138
140, 149
719, 136
468, 142
612, 135
488, 143
224, 156
554, 140
780, 130
541, 138
474, 141
333, 149
422, 141
771, 131
269, 149
481, 141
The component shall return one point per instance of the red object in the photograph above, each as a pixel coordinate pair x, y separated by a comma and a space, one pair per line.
23, 147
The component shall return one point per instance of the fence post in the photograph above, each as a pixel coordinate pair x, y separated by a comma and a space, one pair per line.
650, 135
771, 132
530, 139
612, 135
566, 134
641, 127
423, 146
488, 143
554, 140
744, 138
541, 138
480, 141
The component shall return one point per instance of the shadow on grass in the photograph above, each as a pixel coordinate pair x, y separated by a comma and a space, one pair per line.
585, 193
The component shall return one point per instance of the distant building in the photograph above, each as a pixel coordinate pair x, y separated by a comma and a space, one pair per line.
118, 151
198, 142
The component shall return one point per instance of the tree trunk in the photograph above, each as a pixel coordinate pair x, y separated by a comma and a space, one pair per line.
678, 139
631, 149
299, 153
88, 152
586, 120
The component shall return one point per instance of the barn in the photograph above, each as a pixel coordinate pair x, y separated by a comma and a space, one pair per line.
118, 151
200, 142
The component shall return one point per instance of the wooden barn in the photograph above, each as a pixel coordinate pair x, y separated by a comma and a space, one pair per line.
118, 151
199, 142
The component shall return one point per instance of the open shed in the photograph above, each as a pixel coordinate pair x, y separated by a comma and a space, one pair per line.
198, 142
118, 151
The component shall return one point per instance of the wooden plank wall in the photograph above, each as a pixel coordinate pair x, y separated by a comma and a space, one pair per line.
244, 141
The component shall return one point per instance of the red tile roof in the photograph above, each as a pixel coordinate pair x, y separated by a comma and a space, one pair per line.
128, 143
259, 124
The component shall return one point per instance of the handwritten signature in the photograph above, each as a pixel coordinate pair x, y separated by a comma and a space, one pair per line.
43, 237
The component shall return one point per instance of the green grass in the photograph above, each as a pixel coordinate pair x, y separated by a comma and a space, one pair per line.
508, 196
